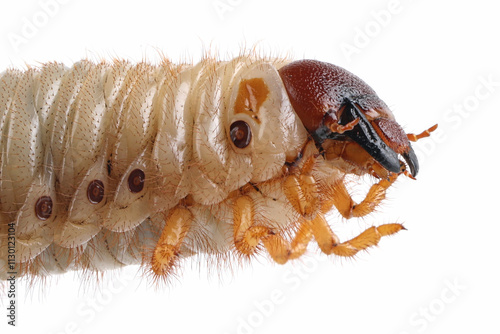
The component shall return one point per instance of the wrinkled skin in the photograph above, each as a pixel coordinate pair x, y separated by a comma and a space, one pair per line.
113, 164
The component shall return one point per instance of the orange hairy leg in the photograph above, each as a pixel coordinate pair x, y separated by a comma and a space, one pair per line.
338, 196
301, 190
167, 248
247, 236
329, 243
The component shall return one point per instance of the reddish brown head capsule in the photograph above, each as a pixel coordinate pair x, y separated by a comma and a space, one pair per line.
334, 104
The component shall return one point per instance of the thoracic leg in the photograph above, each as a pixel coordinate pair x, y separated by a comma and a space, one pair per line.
167, 248
342, 200
329, 243
301, 190
282, 250
247, 236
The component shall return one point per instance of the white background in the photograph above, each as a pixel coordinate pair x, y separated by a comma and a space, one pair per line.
428, 60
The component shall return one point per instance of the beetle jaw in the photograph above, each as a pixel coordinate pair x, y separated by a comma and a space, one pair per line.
370, 145
381, 137
351, 158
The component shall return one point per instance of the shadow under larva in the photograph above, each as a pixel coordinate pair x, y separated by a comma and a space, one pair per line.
105, 165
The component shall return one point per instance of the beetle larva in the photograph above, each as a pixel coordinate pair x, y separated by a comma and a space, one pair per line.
111, 164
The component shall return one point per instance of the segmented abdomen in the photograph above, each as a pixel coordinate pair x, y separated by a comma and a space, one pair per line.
93, 156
